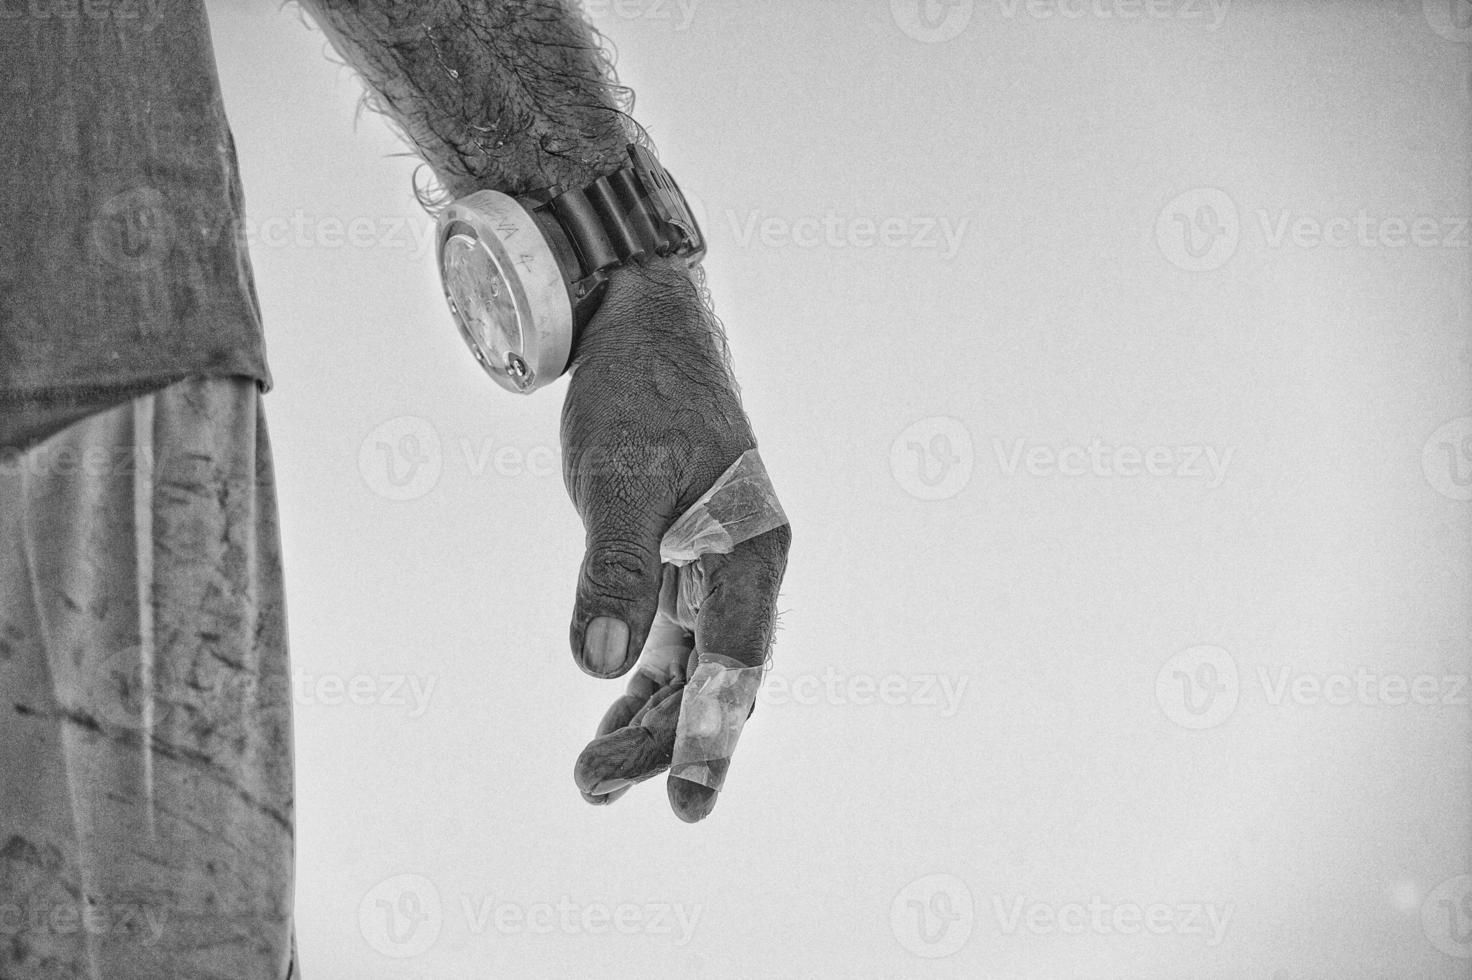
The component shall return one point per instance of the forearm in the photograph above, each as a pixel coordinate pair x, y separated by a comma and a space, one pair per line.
512, 95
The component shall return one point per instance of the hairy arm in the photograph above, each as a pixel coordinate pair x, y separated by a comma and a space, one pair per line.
511, 95
515, 96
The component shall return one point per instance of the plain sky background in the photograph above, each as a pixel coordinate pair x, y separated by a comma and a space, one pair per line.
1112, 361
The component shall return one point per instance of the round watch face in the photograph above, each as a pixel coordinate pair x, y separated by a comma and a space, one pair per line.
505, 290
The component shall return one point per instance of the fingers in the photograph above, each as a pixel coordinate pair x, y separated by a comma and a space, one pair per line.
633, 752
733, 633
617, 716
662, 666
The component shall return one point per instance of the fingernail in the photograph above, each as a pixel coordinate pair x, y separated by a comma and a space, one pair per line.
604, 645
605, 786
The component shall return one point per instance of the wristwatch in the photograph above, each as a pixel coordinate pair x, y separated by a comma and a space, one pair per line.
524, 275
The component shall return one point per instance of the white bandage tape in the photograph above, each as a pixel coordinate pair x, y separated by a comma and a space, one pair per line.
717, 701
738, 506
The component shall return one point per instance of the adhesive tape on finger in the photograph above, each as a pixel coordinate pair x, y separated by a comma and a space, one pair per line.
740, 505
717, 701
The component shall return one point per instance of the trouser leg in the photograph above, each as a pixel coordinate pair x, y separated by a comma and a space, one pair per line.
146, 822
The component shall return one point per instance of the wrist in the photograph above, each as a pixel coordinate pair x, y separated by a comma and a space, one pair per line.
652, 310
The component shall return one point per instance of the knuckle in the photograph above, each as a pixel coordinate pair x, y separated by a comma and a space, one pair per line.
619, 570
772, 548
780, 540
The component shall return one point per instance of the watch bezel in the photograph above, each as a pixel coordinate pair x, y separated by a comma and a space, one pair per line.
511, 239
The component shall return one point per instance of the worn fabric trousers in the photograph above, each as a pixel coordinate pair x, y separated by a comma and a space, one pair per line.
146, 798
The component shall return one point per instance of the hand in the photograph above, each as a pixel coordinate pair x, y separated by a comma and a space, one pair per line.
652, 420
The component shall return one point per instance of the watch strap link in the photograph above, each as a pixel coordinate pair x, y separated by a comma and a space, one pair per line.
635, 211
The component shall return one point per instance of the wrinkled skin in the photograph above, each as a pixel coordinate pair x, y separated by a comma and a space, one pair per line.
652, 419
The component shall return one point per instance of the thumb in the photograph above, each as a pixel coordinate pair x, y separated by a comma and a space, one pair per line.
618, 590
